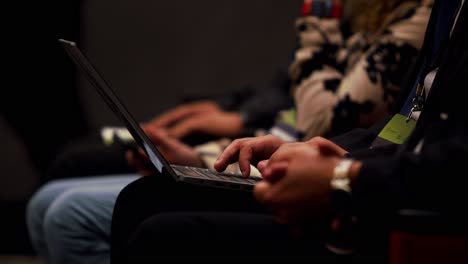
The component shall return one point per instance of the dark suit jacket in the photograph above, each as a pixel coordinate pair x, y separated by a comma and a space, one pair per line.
394, 177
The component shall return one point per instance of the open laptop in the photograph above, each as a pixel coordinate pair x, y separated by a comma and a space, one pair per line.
179, 173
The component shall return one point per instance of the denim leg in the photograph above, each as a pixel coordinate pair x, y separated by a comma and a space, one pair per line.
77, 224
45, 196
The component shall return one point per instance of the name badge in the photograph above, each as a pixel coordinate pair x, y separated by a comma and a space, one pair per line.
395, 132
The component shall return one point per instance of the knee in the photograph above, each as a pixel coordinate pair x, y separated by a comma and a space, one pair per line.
83, 213
64, 217
71, 231
38, 205
35, 205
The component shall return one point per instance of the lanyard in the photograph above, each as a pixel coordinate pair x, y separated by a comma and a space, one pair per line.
445, 21
418, 100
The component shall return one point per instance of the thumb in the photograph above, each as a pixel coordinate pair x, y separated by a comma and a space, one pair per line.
261, 166
276, 171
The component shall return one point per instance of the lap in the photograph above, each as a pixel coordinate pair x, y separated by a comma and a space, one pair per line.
45, 196
94, 192
156, 210
191, 236
86, 207
157, 194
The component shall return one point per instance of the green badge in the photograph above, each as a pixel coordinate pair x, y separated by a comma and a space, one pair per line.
288, 117
398, 129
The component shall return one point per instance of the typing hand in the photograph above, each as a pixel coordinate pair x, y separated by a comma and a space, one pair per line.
174, 151
248, 151
297, 182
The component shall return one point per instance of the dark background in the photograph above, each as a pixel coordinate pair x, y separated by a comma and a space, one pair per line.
151, 52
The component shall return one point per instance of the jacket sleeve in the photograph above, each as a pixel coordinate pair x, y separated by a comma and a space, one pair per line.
357, 86
434, 179
359, 139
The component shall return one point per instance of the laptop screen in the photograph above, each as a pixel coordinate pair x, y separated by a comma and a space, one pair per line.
116, 106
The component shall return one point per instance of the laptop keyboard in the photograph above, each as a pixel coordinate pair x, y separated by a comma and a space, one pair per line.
213, 175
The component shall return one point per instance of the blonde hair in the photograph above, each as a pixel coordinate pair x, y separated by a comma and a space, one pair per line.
370, 15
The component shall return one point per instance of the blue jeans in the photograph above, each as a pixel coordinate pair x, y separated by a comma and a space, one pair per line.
69, 221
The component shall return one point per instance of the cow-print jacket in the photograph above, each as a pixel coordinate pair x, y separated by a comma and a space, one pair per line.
340, 84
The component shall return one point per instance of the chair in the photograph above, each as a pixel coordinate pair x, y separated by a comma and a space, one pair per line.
426, 237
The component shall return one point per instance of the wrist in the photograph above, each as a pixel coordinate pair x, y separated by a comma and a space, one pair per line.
235, 122
354, 172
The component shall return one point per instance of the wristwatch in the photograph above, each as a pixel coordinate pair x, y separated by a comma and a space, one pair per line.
340, 179
341, 192
343, 231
